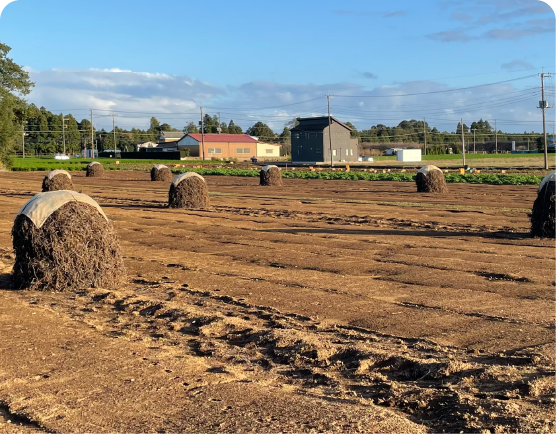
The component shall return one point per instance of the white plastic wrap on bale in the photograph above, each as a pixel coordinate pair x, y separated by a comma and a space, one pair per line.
160, 166
266, 168
185, 175
92, 163
426, 169
53, 173
42, 205
551, 177
409, 155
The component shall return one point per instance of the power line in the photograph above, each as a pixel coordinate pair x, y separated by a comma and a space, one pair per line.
436, 91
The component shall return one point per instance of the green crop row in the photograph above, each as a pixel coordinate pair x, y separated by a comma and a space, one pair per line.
494, 179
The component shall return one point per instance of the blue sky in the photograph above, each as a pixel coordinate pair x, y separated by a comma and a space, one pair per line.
169, 57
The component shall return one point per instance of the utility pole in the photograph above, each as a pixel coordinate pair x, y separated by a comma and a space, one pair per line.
330, 130
219, 129
64, 132
543, 105
474, 150
462, 143
425, 130
495, 138
114, 131
92, 137
202, 134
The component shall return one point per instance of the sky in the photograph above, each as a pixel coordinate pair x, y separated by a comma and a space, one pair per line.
272, 61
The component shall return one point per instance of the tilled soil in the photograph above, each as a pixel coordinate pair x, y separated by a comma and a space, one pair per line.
316, 306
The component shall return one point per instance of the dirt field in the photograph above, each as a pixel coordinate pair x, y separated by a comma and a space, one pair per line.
319, 306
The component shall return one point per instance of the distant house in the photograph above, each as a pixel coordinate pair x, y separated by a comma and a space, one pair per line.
268, 150
311, 142
146, 145
240, 146
170, 136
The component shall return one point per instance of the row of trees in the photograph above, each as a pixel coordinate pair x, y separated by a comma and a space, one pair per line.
414, 131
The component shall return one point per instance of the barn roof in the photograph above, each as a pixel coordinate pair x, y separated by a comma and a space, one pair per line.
235, 138
316, 123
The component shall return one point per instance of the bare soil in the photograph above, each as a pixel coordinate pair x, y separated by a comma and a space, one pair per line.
342, 306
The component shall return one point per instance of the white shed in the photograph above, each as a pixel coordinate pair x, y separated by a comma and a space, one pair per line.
409, 155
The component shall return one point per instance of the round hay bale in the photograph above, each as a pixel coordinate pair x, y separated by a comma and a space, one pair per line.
542, 216
64, 242
430, 179
188, 190
271, 175
161, 173
95, 170
57, 180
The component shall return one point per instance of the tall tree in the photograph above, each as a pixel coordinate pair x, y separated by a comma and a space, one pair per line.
262, 131
14, 83
73, 137
191, 128
233, 128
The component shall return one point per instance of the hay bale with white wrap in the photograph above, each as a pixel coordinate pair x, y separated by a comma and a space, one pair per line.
57, 180
542, 216
63, 241
160, 172
188, 190
271, 175
95, 170
430, 179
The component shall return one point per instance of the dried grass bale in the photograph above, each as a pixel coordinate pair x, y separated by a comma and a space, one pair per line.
271, 175
188, 190
161, 173
57, 180
542, 216
95, 170
430, 179
64, 242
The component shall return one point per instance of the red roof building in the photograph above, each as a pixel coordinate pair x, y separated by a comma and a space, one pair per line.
240, 146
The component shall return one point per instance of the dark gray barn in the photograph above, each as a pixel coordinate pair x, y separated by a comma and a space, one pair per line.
311, 143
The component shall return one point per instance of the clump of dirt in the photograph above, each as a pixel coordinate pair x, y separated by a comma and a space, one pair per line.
57, 180
75, 248
543, 214
188, 190
95, 170
430, 179
271, 176
161, 173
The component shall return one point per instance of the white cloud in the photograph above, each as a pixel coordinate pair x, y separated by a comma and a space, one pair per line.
137, 96
3, 4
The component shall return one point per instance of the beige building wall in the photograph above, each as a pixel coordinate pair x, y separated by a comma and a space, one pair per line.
268, 150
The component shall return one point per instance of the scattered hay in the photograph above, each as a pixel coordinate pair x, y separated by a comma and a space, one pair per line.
271, 175
542, 216
95, 170
188, 190
64, 242
57, 180
161, 173
430, 179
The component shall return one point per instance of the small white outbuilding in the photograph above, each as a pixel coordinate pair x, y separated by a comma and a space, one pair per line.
409, 155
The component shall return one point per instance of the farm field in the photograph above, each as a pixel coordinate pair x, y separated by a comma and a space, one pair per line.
322, 305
